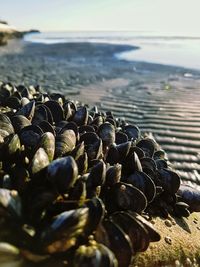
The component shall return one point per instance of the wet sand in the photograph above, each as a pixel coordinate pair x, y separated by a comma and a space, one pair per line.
162, 100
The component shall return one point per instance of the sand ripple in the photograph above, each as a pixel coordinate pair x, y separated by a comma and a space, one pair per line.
173, 116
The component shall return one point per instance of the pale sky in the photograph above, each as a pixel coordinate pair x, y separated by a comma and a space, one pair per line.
167, 16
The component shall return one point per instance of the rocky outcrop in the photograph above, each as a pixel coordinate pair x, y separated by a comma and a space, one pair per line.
8, 32
5, 36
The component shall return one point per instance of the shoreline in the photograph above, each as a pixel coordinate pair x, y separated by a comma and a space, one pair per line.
175, 51
94, 54
123, 49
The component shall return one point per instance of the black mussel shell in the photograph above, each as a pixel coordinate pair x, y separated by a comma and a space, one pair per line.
123, 150
56, 110
140, 153
81, 116
86, 128
123, 196
159, 154
119, 243
96, 214
132, 132
93, 163
13, 102
62, 173
5, 92
30, 136
42, 113
93, 145
37, 200
46, 127
94, 254
57, 97
11, 147
148, 146
69, 108
113, 175
152, 233
97, 175
135, 230
144, 183
63, 231
23, 91
39, 162
27, 110
47, 142
70, 126
191, 196
24, 101
78, 191
78, 151
19, 122
113, 156
170, 180
161, 163
19, 176
149, 167
89, 138
181, 209
82, 163
111, 121
131, 164
6, 127
148, 163
4, 118
10, 203
120, 138
106, 132
97, 121
65, 143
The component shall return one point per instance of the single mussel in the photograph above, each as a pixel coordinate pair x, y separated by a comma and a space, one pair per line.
191, 196
62, 173
62, 233
118, 241
169, 180
123, 196
80, 117
136, 232
106, 132
93, 145
47, 142
113, 175
144, 183
56, 110
10, 203
148, 145
27, 110
39, 162
6, 127
132, 131
19, 122
65, 143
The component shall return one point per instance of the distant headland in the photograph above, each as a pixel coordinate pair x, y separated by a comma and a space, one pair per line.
9, 32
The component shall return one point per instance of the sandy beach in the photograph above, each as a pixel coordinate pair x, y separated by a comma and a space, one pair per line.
160, 99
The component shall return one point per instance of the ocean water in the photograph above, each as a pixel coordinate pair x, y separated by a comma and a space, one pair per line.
183, 51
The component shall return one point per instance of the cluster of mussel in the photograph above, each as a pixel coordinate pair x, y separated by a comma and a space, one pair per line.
78, 186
